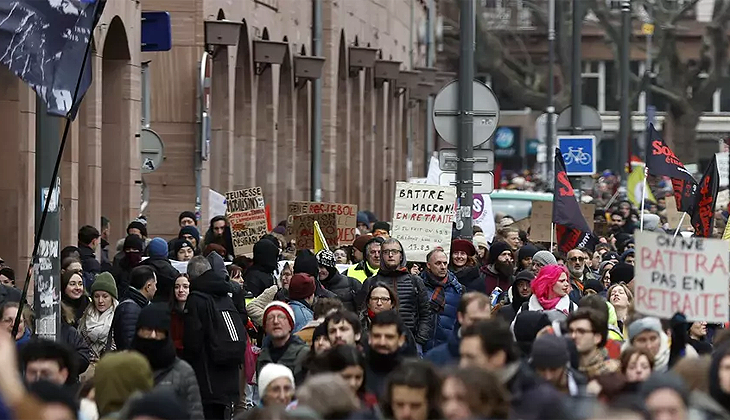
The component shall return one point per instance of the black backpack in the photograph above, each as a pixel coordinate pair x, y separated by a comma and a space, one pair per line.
226, 342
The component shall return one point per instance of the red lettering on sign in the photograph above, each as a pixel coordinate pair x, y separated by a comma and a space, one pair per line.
694, 306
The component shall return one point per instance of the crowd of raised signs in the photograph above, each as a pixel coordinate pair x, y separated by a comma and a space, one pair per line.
492, 328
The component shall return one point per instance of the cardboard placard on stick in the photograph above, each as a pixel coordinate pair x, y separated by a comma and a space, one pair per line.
303, 226
522, 224
346, 217
686, 275
541, 219
246, 213
422, 218
674, 215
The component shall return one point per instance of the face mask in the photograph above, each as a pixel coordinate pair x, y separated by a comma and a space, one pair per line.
134, 258
160, 353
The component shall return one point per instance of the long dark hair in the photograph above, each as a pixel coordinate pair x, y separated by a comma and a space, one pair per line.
338, 359
227, 238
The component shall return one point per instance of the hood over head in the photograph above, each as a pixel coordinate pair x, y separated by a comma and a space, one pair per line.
402, 266
266, 255
118, 376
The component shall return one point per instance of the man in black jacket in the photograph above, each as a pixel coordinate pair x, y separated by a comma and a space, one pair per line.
260, 276
413, 300
125, 261
218, 381
88, 241
166, 273
346, 288
142, 288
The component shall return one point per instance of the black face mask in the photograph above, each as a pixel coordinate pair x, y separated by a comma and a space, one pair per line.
160, 353
134, 258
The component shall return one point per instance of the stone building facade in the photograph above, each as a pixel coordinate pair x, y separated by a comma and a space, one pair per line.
260, 118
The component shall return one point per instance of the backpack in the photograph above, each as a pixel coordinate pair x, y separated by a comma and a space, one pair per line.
226, 342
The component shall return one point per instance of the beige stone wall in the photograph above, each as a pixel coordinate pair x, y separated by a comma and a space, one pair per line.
261, 122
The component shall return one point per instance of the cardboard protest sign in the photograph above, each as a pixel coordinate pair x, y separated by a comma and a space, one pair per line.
542, 216
674, 216
346, 217
246, 214
687, 275
423, 217
303, 226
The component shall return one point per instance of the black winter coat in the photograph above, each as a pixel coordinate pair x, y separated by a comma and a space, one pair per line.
82, 353
180, 379
124, 324
413, 302
121, 270
9, 294
471, 278
345, 288
89, 263
166, 276
260, 276
218, 383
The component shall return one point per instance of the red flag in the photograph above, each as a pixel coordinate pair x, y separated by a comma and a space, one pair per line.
571, 228
661, 161
705, 199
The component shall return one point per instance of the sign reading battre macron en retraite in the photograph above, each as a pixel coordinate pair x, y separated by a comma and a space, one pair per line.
422, 218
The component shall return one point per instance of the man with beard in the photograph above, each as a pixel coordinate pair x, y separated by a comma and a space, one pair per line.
413, 302
125, 261
153, 340
500, 267
617, 222
385, 349
346, 288
445, 292
371, 264
576, 262
521, 292
260, 276
219, 233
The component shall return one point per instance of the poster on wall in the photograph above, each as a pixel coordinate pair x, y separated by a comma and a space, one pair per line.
422, 218
246, 214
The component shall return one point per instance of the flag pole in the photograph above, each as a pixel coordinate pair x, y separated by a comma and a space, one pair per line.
643, 199
552, 236
51, 185
681, 220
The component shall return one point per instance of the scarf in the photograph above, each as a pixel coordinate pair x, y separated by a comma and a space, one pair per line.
599, 364
547, 303
78, 305
95, 326
438, 297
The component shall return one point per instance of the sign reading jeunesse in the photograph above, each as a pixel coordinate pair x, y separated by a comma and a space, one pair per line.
246, 213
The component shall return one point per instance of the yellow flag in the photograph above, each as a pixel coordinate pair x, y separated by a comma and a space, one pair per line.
726, 234
320, 242
634, 185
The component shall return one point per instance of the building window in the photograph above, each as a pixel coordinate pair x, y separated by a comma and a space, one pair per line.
591, 81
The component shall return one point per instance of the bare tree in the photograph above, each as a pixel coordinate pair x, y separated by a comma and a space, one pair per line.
684, 82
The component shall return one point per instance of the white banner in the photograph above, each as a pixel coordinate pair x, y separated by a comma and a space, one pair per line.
686, 275
422, 218
723, 166
216, 204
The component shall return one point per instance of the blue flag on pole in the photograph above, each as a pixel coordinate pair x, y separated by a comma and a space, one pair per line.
44, 43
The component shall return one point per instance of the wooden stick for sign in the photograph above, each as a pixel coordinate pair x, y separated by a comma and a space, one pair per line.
643, 200
552, 236
681, 220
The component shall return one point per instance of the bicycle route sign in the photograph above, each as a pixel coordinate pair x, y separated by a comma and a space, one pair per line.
579, 154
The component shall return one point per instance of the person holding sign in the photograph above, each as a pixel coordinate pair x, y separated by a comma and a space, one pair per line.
414, 305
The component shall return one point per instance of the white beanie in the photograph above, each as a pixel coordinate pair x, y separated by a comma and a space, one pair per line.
270, 373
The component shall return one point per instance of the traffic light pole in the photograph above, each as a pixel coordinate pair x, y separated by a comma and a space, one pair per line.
465, 163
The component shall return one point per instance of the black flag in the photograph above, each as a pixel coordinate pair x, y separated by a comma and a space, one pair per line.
571, 228
661, 161
44, 43
705, 199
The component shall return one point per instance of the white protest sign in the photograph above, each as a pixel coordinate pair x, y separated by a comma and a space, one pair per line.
216, 204
422, 218
483, 215
687, 275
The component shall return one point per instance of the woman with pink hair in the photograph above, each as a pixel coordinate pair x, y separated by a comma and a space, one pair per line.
550, 291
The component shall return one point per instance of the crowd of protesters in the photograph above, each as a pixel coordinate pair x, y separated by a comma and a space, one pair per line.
495, 328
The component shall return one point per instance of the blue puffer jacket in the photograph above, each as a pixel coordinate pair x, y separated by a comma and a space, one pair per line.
446, 354
445, 320
302, 314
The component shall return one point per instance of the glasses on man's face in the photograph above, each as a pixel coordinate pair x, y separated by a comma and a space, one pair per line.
580, 331
577, 259
390, 252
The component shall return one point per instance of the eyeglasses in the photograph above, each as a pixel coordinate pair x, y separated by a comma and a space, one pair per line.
390, 251
374, 252
580, 331
380, 299
577, 259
